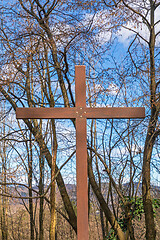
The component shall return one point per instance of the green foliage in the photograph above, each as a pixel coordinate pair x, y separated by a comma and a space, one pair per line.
136, 210
74, 204
156, 203
111, 235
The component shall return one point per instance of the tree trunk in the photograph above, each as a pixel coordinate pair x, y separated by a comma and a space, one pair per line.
147, 201
53, 184
146, 187
30, 191
3, 178
41, 191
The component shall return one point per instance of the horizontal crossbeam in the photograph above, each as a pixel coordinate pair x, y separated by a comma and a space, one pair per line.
79, 112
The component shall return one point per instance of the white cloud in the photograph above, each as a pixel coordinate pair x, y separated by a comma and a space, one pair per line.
102, 21
113, 89
103, 36
126, 32
99, 21
100, 105
8, 72
62, 34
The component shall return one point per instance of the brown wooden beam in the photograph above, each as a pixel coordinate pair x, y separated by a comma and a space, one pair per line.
81, 155
78, 112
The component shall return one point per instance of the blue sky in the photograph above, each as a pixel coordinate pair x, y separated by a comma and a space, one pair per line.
104, 74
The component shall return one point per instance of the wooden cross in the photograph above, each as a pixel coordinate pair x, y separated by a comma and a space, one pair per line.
81, 113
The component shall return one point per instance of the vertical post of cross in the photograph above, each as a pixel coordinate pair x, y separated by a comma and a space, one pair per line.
81, 155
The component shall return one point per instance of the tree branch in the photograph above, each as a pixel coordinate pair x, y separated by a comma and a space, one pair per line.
138, 13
